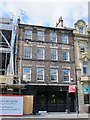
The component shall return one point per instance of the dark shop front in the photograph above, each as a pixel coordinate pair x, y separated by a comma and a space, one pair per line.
51, 98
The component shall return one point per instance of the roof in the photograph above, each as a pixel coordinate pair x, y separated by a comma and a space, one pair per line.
48, 27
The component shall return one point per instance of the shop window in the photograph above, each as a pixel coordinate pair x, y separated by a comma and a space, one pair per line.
86, 94
86, 99
61, 98
53, 99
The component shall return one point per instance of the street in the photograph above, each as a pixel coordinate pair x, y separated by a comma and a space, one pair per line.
50, 116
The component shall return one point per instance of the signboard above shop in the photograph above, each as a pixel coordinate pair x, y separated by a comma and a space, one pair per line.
72, 89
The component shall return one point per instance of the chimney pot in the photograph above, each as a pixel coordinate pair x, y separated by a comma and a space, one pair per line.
60, 22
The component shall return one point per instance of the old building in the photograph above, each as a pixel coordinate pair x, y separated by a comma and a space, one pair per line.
82, 58
45, 65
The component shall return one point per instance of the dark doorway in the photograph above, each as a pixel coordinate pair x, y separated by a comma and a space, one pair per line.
72, 102
41, 102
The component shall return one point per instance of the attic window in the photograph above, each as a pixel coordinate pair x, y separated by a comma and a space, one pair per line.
81, 30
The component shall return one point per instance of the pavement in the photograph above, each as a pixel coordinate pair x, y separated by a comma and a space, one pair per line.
50, 116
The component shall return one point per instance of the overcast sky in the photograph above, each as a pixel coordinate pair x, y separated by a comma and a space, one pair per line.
45, 12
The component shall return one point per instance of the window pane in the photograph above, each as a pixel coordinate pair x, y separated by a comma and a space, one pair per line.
54, 74
28, 34
82, 47
86, 99
66, 75
40, 53
64, 38
65, 55
26, 73
27, 52
40, 73
53, 54
85, 68
81, 30
53, 98
52, 37
40, 36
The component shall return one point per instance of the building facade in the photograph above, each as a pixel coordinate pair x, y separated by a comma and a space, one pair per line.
82, 59
45, 65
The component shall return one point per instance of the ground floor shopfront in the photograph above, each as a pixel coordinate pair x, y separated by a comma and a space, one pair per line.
51, 98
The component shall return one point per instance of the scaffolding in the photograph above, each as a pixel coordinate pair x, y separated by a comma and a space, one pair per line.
7, 39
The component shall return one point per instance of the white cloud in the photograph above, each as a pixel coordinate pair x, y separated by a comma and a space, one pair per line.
48, 11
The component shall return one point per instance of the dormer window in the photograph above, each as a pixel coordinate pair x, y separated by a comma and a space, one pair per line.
81, 30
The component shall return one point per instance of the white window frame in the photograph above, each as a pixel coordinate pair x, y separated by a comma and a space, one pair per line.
28, 34
27, 74
38, 68
66, 75
27, 54
39, 55
52, 55
67, 56
54, 74
40, 35
64, 38
53, 37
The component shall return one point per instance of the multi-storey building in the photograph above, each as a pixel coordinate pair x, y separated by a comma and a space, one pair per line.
82, 58
45, 65
7, 38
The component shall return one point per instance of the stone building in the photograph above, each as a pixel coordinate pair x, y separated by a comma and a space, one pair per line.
82, 59
45, 65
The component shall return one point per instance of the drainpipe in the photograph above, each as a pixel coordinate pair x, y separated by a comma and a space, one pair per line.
77, 107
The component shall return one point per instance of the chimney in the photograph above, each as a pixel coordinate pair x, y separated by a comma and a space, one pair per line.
60, 22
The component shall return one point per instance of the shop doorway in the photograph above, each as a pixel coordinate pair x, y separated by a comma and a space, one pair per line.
72, 102
41, 102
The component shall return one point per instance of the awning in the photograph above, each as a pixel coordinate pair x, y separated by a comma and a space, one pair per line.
72, 89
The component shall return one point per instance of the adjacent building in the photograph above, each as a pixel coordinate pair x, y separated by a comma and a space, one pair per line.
45, 66
82, 59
